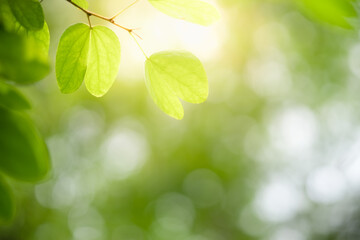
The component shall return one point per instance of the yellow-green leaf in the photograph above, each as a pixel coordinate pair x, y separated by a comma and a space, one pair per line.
72, 57
195, 11
335, 12
103, 61
173, 75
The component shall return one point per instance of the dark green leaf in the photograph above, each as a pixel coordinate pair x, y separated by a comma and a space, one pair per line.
24, 55
23, 152
12, 98
29, 13
7, 206
37, 41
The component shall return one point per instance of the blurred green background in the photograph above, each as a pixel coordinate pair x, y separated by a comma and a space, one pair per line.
273, 154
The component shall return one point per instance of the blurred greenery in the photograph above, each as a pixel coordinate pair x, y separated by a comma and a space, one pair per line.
272, 154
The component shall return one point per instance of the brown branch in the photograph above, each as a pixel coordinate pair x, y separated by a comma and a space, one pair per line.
90, 13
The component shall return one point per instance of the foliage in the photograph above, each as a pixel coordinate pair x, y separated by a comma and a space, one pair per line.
93, 55
24, 45
72, 57
335, 12
85, 53
18, 132
170, 75
206, 158
12, 98
7, 206
28, 13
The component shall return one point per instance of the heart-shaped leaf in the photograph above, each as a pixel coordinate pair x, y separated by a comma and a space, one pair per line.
90, 54
173, 75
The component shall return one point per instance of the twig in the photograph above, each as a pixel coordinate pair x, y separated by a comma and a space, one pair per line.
142, 50
90, 13
126, 8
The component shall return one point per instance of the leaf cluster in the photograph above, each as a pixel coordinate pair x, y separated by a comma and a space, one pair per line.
24, 45
85, 53
92, 54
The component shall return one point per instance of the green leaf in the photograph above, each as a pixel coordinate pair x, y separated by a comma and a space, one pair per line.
30, 72
87, 53
7, 18
82, 3
37, 44
72, 57
29, 13
12, 48
7, 206
24, 54
335, 12
103, 61
12, 98
24, 155
37, 41
194, 11
173, 75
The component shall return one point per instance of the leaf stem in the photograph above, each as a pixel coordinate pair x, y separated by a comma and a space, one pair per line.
126, 8
90, 13
142, 50
88, 17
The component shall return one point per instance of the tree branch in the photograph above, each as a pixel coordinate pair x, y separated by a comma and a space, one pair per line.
90, 13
